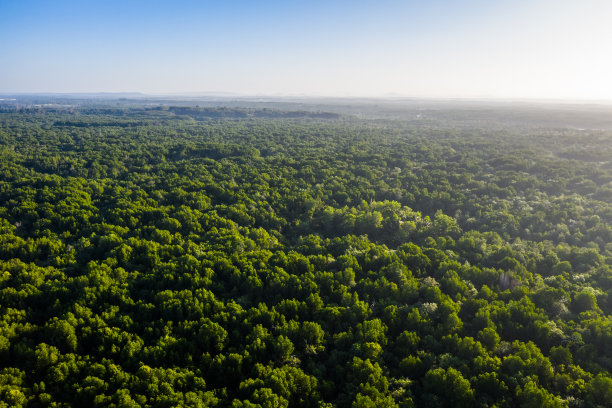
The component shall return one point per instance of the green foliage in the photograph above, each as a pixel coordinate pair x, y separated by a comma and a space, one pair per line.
447, 387
201, 257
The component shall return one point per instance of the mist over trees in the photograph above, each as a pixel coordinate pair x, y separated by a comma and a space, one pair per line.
167, 256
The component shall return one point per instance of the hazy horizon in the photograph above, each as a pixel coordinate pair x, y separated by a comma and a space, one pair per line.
195, 96
472, 49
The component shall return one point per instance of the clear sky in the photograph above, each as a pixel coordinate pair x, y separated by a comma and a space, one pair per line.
559, 49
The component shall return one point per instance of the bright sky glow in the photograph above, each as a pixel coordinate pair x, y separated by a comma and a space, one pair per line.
557, 49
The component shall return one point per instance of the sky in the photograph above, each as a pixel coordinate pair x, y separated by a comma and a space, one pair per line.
510, 49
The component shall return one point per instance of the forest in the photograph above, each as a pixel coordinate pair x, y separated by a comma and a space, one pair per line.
156, 255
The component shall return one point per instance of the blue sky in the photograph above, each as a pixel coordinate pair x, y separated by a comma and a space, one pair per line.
436, 48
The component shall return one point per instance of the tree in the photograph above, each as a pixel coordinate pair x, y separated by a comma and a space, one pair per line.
532, 396
448, 385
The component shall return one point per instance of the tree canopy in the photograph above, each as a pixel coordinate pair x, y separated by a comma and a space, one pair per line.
184, 256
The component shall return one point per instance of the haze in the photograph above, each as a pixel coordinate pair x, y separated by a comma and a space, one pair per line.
449, 49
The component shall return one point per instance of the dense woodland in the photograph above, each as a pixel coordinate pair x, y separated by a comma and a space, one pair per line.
224, 257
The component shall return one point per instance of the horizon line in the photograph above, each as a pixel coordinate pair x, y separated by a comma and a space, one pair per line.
388, 96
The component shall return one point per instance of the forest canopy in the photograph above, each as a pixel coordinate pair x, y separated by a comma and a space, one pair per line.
248, 257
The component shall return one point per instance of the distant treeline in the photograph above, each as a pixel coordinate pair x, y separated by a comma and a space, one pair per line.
239, 113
